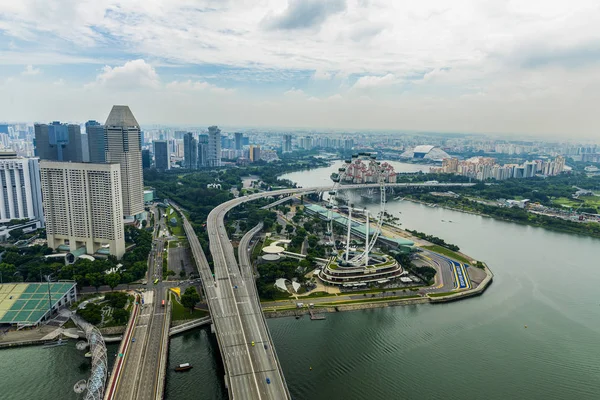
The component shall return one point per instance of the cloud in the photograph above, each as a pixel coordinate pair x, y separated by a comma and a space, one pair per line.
321, 75
369, 81
132, 75
305, 14
30, 70
190, 85
294, 92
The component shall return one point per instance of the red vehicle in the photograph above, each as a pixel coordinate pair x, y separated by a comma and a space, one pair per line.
163, 303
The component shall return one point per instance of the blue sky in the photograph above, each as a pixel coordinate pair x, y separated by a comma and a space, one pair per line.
473, 66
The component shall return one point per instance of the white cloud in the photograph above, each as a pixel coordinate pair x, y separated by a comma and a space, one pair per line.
442, 54
59, 82
197, 85
30, 70
321, 75
132, 75
293, 92
368, 82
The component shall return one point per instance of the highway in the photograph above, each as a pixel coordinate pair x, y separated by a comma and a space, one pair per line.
142, 376
251, 364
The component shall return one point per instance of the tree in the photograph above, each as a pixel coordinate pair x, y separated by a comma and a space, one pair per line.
144, 223
120, 315
189, 298
278, 228
95, 279
16, 233
182, 274
113, 280
289, 228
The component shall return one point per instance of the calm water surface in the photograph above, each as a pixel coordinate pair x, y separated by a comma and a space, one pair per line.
473, 349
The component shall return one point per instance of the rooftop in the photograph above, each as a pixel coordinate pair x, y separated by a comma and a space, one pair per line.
27, 303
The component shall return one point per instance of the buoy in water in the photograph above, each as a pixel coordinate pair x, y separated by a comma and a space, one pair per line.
525, 326
310, 368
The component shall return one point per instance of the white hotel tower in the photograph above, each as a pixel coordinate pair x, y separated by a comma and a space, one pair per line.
83, 206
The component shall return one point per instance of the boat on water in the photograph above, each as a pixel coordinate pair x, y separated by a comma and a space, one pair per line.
55, 343
183, 367
88, 355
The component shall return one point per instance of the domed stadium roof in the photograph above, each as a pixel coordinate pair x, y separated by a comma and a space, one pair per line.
426, 152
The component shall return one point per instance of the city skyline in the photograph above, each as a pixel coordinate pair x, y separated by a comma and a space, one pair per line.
493, 68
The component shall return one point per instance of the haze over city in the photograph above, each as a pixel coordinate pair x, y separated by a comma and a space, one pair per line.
522, 68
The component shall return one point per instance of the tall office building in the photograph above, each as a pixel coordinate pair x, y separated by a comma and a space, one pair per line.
254, 153
83, 206
146, 159
58, 142
239, 138
21, 190
287, 143
96, 142
190, 151
202, 160
123, 137
214, 147
161, 155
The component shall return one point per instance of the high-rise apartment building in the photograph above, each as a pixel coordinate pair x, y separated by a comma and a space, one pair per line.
58, 142
123, 146
239, 139
161, 155
287, 143
214, 147
96, 141
21, 189
83, 206
190, 151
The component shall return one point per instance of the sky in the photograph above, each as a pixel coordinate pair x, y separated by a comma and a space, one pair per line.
523, 67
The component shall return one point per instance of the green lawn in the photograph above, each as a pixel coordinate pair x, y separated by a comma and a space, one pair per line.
592, 201
442, 294
448, 253
366, 300
566, 202
178, 229
180, 313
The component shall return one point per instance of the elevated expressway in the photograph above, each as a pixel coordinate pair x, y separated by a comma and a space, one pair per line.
252, 371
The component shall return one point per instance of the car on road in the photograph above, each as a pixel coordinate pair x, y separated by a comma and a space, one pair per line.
268, 381
253, 343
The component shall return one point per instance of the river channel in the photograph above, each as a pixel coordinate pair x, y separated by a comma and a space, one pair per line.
532, 335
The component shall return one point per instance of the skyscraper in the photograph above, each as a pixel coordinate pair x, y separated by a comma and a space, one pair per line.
96, 142
21, 191
190, 151
161, 155
202, 160
239, 137
58, 142
146, 159
287, 143
123, 138
254, 153
214, 147
83, 206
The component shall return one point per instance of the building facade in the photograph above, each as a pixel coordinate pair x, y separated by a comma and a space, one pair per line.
21, 188
287, 143
190, 151
123, 146
58, 142
83, 206
146, 159
161, 155
96, 142
214, 147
